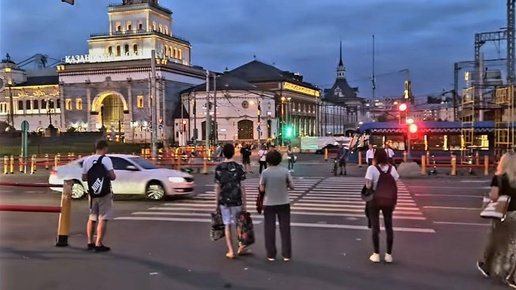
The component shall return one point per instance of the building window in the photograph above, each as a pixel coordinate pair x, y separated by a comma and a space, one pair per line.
167, 51
153, 26
118, 26
58, 104
35, 104
160, 28
139, 102
140, 26
68, 104
129, 26
166, 30
43, 104
179, 54
135, 48
126, 48
28, 105
118, 50
109, 50
78, 104
20, 105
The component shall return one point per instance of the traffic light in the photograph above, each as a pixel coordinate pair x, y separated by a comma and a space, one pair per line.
413, 128
403, 110
289, 132
408, 91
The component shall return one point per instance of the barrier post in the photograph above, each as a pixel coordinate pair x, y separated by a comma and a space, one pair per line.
57, 158
33, 164
477, 158
405, 156
423, 165
11, 164
453, 165
179, 163
486, 165
6, 164
326, 154
205, 166
47, 162
63, 226
20, 163
359, 158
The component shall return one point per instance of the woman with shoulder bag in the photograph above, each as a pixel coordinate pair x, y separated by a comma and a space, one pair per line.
499, 260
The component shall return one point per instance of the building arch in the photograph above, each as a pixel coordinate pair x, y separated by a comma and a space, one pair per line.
245, 130
110, 108
97, 101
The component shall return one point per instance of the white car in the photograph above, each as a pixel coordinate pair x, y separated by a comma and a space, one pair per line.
134, 175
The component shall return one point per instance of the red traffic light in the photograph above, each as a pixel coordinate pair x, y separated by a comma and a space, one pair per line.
413, 128
403, 107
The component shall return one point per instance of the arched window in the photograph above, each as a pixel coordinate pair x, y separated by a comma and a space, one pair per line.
160, 28
166, 30
153, 26
179, 54
175, 53
135, 48
118, 50
126, 48
167, 51
140, 26
110, 50
118, 26
129, 26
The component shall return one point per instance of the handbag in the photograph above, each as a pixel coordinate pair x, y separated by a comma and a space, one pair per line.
495, 209
245, 230
367, 194
217, 226
259, 201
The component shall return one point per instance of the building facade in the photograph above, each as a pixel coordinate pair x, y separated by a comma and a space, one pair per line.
341, 109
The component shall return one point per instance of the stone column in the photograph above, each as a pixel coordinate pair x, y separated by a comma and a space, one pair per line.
91, 127
62, 120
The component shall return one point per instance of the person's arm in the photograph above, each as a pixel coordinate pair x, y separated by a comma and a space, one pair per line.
242, 187
395, 173
84, 171
262, 183
106, 161
217, 189
369, 177
495, 188
290, 183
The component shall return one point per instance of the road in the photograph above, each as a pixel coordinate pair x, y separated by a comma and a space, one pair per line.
166, 245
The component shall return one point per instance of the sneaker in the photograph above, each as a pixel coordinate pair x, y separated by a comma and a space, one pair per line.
102, 248
286, 259
375, 258
481, 266
388, 258
271, 259
510, 284
91, 247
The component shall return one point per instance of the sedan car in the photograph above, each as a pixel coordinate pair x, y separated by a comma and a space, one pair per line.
134, 175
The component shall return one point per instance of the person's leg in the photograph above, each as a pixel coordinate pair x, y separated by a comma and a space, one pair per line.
227, 220
387, 219
284, 226
367, 214
105, 206
269, 224
261, 166
374, 216
90, 225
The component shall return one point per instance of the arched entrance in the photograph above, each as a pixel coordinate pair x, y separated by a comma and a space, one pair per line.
245, 130
112, 113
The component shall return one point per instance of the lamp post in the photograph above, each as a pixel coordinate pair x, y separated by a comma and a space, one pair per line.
8, 72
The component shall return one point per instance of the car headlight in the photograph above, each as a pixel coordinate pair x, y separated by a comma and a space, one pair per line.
176, 179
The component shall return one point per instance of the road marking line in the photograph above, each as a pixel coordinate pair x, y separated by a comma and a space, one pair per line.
475, 181
165, 219
463, 224
345, 201
300, 203
450, 187
452, 208
448, 195
412, 211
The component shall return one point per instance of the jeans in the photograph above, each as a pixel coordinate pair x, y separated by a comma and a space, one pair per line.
374, 218
269, 213
291, 163
263, 165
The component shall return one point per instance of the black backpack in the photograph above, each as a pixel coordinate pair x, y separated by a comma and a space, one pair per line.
99, 184
386, 193
229, 175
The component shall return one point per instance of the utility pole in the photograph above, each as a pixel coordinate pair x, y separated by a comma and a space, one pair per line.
373, 80
208, 125
215, 124
154, 119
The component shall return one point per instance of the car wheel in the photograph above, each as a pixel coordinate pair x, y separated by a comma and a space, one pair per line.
155, 191
78, 190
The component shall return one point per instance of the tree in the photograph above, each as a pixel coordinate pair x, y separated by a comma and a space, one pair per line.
385, 117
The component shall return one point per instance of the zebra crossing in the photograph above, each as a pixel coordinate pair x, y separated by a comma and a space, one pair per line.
317, 202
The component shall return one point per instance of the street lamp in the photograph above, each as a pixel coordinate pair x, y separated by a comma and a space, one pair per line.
8, 72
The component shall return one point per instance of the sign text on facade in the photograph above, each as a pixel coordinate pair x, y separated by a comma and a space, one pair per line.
300, 89
92, 58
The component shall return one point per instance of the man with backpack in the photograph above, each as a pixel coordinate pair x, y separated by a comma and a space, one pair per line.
230, 195
97, 171
342, 155
381, 179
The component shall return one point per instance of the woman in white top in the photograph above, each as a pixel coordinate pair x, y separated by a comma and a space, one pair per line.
370, 155
261, 158
380, 199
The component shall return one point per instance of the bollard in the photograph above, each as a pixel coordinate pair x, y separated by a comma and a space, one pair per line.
477, 158
423, 165
20, 163
80, 156
63, 226
179, 163
56, 160
6, 164
11, 164
32, 164
453, 165
405, 156
359, 158
486, 165
47, 162
205, 166
326, 154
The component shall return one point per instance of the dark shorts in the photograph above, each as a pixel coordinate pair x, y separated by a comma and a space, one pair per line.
342, 162
246, 161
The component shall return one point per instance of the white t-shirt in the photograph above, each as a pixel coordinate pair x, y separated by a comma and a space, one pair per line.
390, 152
369, 154
88, 163
262, 154
373, 174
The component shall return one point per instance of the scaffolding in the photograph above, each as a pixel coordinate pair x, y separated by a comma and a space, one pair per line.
468, 118
504, 139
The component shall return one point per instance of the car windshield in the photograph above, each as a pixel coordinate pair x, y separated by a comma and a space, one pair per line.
143, 163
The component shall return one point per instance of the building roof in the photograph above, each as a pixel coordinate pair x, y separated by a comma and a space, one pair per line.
225, 82
40, 81
259, 72
341, 91
177, 112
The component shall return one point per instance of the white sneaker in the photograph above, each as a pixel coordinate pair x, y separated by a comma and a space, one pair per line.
375, 258
388, 258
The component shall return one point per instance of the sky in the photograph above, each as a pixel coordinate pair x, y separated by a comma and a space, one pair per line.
424, 36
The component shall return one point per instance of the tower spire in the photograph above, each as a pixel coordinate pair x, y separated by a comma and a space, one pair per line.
341, 70
340, 54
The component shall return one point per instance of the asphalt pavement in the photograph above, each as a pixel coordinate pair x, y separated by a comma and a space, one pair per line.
166, 245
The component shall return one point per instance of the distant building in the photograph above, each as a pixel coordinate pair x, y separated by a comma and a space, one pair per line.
341, 109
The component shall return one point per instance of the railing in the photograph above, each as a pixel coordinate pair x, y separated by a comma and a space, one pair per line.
137, 32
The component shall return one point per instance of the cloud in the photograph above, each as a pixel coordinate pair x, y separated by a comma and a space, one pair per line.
426, 36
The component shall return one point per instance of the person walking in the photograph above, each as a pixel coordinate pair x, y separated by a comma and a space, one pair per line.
499, 260
291, 158
262, 158
370, 155
230, 195
275, 181
381, 178
97, 171
246, 158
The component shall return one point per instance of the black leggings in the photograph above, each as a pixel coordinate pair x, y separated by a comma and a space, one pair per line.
263, 165
374, 218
